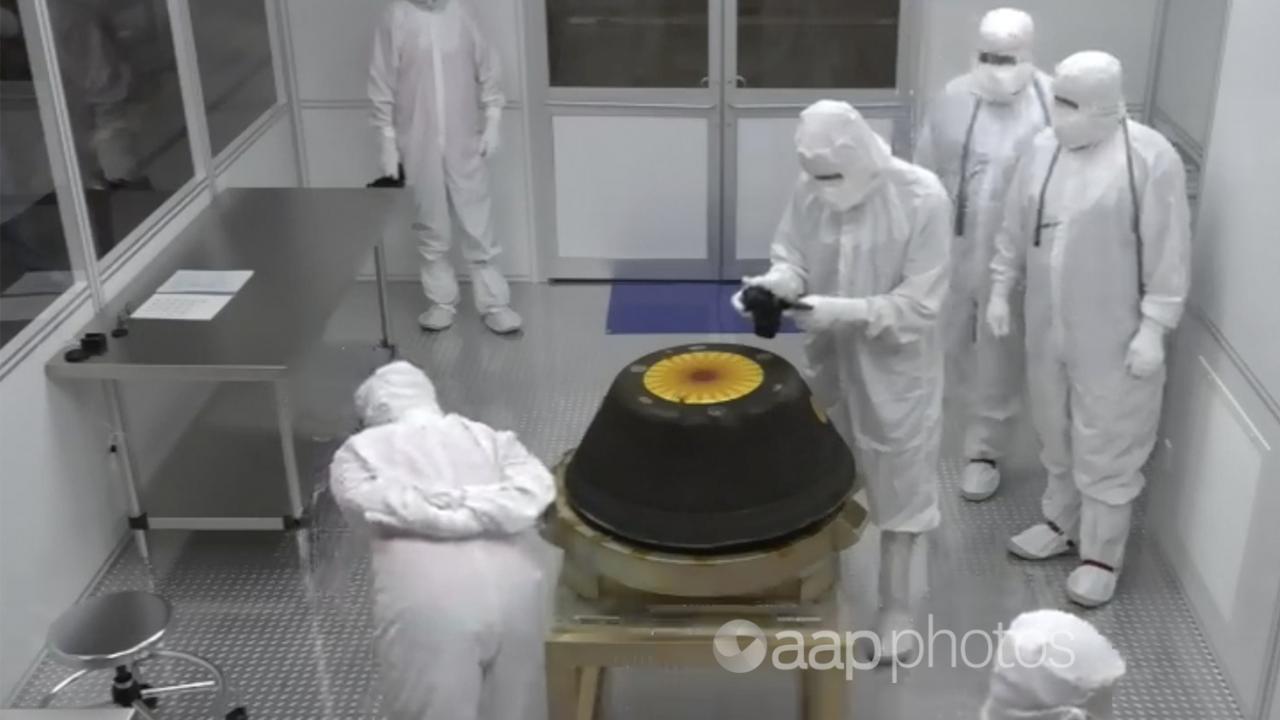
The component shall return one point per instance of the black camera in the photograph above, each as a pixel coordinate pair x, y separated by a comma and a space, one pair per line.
766, 309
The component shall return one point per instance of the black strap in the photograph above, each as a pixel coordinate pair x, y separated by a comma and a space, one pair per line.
1137, 211
1099, 565
1054, 527
962, 192
1044, 192
984, 461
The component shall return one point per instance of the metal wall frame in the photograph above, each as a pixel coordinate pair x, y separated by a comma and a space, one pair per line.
722, 103
93, 274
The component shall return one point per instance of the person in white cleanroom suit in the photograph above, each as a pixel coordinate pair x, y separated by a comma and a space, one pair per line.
971, 139
1098, 226
438, 105
458, 594
1053, 665
864, 243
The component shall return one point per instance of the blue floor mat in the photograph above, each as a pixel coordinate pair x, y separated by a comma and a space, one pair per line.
638, 308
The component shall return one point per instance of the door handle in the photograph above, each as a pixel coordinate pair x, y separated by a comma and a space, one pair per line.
742, 82
705, 81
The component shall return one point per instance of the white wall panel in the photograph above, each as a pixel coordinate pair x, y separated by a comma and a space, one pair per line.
767, 172
1227, 457
1214, 502
61, 509
1236, 256
332, 40
1222, 442
349, 159
1125, 29
271, 161
342, 149
631, 187
1189, 59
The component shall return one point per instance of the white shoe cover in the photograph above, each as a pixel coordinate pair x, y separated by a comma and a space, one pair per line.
503, 320
899, 641
894, 628
1040, 542
980, 481
437, 318
1091, 586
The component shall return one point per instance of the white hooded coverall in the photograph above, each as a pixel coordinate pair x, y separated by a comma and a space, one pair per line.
458, 594
880, 380
433, 81
1101, 237
1053, 665
972, 143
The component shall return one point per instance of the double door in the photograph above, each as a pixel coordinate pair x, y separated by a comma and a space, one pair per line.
663, 129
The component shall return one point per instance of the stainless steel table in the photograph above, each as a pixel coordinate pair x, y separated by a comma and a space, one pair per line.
305, 248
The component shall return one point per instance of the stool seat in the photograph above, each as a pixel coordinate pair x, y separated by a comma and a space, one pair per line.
109, 630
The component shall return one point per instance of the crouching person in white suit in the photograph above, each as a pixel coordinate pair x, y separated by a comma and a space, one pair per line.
451, 504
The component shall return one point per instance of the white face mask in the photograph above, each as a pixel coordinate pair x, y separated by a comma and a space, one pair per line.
842, 179
1001, 83
1077, 129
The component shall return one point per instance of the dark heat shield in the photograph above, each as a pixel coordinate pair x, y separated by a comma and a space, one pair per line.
709, 449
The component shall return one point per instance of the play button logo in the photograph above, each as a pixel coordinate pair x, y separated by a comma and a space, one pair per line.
739, 646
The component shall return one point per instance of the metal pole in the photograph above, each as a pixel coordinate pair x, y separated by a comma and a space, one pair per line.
124, 461
380, 270
284, 419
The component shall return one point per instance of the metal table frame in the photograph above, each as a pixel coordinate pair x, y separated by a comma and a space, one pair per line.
109, 371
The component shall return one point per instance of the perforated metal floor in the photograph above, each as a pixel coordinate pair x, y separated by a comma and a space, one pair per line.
242, 599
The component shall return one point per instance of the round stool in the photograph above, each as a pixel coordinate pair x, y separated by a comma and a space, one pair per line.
122, 631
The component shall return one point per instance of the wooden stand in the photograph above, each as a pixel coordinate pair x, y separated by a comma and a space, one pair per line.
582, 647
621, 606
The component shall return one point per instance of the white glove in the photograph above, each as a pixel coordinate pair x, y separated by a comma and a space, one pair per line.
389, 161
828, 312
1146, 350
736, 301
998, 314
491, 139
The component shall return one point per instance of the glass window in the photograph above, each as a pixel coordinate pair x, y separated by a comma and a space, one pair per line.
120, 78
818, 43
233, 46
34, 265
627, 43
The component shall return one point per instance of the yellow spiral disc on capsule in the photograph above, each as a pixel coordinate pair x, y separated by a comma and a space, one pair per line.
703, 377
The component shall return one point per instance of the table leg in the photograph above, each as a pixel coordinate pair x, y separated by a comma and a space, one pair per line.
380, 271
823, 692
589, 692
124, 462
562, 687
284, 419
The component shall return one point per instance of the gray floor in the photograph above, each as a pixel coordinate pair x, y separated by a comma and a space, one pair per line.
259, 604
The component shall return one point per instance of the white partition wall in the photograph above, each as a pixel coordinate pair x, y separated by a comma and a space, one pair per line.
1187, 72
330, 42
1214, 495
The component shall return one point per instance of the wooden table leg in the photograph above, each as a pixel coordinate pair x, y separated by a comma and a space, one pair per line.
823, 693
589, 692
562, 687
